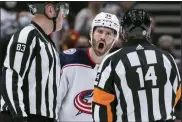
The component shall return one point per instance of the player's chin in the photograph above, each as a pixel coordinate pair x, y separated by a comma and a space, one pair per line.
100, 52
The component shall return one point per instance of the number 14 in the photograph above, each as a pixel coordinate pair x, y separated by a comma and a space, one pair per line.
150, 75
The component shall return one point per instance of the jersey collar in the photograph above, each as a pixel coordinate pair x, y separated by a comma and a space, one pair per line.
90, 58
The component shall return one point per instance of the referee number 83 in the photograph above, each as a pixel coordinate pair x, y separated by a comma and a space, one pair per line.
20, 47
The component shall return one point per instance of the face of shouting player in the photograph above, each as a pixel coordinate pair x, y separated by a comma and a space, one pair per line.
102, 40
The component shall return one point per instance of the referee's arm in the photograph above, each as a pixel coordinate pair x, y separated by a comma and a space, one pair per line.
102, 98
177, 81
19, 50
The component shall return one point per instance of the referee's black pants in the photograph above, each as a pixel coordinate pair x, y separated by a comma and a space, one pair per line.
6, 116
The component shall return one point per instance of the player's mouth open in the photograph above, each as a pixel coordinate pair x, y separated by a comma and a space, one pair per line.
101, 45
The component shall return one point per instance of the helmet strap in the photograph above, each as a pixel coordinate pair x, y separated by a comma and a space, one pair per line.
54, 23
123, 35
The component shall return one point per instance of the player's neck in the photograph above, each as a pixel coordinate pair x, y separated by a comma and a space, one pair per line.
95, 58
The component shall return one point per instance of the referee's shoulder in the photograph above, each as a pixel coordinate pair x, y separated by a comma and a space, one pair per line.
28, 31
25, 33
165, 53
113, 55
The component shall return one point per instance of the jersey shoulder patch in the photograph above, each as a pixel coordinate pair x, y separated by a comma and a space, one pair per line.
70, 51
73, 56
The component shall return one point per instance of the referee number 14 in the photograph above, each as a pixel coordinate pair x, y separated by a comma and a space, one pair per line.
150, 75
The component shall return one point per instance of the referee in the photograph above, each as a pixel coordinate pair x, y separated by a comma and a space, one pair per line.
31, 73
138, 83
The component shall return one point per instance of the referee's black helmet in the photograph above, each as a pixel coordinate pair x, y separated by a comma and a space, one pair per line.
39, 8
136, 24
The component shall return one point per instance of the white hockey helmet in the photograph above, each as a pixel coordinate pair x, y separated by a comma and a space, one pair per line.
105, 20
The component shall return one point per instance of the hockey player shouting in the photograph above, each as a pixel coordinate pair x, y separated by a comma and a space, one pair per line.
79, 69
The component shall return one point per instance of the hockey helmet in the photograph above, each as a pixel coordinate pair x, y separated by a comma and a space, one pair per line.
136, 23
105, 20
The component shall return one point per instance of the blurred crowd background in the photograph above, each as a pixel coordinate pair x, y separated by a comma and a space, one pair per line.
166, 22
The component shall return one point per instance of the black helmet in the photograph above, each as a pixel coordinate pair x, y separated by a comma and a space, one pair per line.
136, 24
39, 8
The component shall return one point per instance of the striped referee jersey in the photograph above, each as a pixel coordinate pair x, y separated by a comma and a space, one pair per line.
138, 83
31, 74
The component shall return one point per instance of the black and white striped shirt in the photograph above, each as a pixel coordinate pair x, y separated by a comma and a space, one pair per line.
31, 75
137, 83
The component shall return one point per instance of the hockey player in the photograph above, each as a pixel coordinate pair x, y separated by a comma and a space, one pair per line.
80, 67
